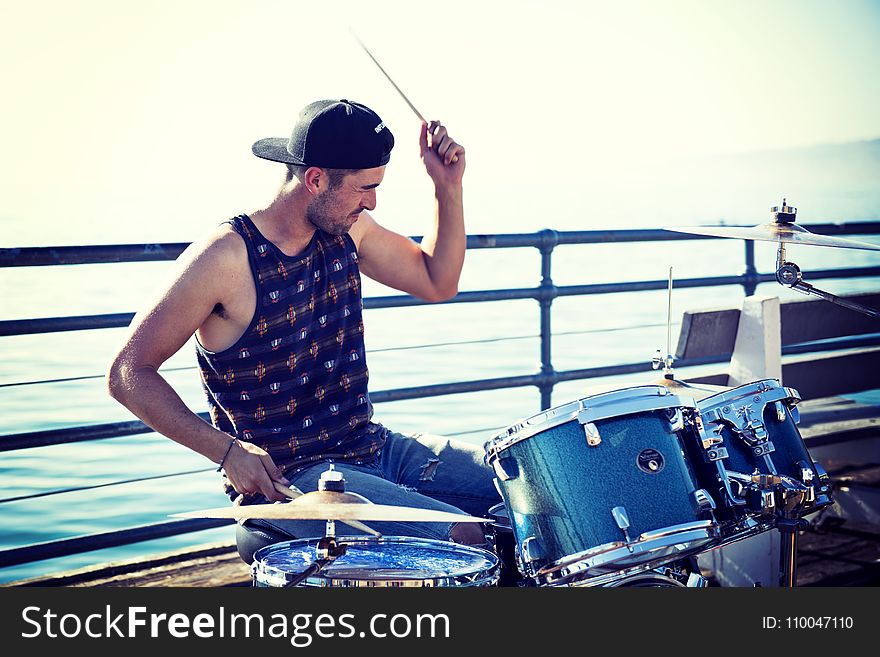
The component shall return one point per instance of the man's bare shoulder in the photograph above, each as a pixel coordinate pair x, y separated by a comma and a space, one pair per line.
222, 248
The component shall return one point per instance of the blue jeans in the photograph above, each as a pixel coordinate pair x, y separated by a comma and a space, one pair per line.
417, 470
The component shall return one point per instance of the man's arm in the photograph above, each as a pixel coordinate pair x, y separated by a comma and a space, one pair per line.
156, 334
431, 270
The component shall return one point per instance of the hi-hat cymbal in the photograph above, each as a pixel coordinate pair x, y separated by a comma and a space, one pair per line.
331, 505
776, 232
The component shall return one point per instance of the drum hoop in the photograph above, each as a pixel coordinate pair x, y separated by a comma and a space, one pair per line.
485, 576
601, 407
776, 392
704, 532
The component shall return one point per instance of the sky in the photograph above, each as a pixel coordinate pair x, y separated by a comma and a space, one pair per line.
132, 121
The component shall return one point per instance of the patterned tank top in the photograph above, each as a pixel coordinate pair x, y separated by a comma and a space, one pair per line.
295, 383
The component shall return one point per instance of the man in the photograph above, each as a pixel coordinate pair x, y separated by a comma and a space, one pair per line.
274, 300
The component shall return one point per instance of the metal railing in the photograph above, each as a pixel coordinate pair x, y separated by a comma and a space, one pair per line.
545, 293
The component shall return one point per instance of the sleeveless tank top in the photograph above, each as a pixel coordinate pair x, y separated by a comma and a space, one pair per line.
295, 383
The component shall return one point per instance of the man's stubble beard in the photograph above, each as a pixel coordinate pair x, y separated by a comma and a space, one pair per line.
318, 214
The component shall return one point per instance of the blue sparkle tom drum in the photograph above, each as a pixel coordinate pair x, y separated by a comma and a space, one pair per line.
602, 484
387, 561
750, 456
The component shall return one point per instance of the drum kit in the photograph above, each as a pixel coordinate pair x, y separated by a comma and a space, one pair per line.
622, 487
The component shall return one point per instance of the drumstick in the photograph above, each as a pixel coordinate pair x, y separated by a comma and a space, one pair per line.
293, 492
398, 89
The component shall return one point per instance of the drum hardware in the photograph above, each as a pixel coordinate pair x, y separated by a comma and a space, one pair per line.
622, 520
789, 498
704, 500
531, 551
676, 419
667, 360
783, 229
592, 433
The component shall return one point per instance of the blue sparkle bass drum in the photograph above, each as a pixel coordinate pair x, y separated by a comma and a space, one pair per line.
602, 485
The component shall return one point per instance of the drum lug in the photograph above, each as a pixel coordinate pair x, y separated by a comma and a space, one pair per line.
780, 411
676, 419
505, 468
807, 477
704, 500
531, 550
695, 580
591, 431
622, 519
768, 500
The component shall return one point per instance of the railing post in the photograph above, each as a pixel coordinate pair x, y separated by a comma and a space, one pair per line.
549, 240
750, 284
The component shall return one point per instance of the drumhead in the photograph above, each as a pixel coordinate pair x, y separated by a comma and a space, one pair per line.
614, 403
374, 562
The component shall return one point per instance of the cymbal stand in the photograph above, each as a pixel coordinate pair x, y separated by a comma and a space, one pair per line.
785, 497
667, 360
789, 274
327, 549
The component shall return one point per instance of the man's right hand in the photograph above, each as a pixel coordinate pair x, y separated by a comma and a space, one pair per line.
251, 470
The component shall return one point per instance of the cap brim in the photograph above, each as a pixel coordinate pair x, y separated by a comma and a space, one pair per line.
275, 149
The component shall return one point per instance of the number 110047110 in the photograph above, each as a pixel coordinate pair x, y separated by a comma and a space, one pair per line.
808, 623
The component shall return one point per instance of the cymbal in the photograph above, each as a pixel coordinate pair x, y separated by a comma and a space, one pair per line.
776, 232
331, 505
698, 391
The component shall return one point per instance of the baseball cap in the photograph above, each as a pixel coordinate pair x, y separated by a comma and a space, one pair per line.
336, 134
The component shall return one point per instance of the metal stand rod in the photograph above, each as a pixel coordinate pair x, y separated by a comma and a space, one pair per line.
788, 553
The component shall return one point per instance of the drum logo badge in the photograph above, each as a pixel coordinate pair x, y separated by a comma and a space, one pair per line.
650, 461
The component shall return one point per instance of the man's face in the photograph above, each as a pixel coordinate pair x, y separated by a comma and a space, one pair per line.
336, 210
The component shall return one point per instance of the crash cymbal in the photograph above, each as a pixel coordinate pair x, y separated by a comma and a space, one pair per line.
775, 232
331, 505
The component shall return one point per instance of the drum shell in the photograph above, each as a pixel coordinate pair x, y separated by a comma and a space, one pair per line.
788, 457
560, 491
370, 562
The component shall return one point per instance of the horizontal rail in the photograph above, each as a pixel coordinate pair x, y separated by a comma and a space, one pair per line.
38, 256
120, 320
11, 442
66, 546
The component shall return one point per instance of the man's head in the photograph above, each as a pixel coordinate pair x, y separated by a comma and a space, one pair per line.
338, 151
332, 134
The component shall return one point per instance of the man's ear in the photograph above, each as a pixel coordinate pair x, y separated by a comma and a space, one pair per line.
315, 180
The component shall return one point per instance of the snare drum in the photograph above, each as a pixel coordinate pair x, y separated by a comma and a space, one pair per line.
750, 455
600, 485
388, 561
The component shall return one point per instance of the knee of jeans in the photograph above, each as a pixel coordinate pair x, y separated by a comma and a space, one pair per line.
467, 533
429, 470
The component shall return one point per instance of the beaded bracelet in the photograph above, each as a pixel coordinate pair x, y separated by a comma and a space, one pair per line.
228, 449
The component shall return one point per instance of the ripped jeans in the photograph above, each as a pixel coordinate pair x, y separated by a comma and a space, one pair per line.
417, 470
